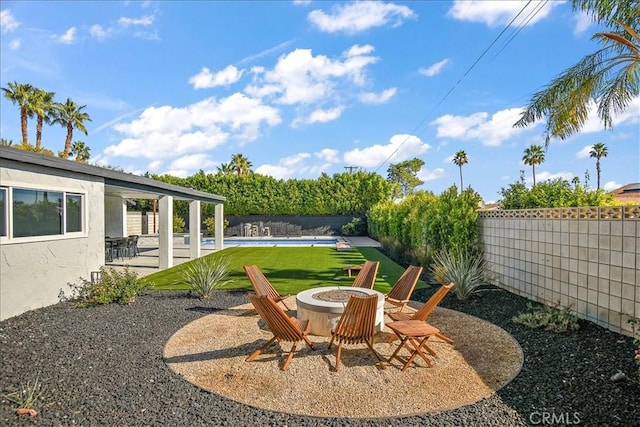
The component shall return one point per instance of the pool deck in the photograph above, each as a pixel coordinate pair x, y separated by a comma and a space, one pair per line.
147, 262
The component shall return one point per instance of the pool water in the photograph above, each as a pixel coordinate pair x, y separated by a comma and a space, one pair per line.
274, 241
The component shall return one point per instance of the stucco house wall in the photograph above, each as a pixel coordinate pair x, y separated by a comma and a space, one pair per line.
33, 270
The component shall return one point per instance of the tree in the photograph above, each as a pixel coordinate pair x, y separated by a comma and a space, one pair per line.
533, 156
225, 169
403, 176
608, 76
460, 159
81, 151
598, 150
71, 116
42, 105
21, 95
240, 164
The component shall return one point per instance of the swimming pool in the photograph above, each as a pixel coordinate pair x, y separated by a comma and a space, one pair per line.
275, 241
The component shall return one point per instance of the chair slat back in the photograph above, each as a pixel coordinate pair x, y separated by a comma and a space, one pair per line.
358, 321
282, 326
260, 284
431, 304
403, 288
366, 277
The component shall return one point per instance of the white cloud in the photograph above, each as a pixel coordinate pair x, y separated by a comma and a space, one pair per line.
501, 12
430, 175
162, 132
192, 162
69, 37
155, 165
546, 176
280, 47
611, 185
629, 116
584, 153
490, 131
15, 44
377, 98
7, 21
583, 21
287, 167
98, 32
401, 147
352, 18
434, 69
205, 79
328, 155
145, 21
320, 116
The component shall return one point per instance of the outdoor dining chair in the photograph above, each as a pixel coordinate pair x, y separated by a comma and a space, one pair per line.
357, 325
423, 312
283, 327
262, 286
400, 293
366, 277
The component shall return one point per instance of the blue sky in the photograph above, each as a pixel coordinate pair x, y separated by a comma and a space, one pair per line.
305, 87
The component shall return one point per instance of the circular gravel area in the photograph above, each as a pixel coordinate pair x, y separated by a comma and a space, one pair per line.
210, 352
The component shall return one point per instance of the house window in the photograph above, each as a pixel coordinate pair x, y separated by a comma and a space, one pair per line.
73, 212
3, 211
37, 213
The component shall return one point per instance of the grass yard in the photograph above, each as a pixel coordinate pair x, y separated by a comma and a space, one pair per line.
292, 269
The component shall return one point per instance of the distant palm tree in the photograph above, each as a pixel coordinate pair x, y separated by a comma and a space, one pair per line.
42, 105
225, 169
21, 95
71, 116
240, 164
81, 151
598, 150
460, 159
6, 142
533, 156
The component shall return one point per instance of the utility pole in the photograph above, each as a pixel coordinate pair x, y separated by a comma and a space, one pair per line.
351, 168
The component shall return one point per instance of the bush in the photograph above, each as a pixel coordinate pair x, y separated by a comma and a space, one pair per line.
178, 224
467, 272
356, 227
205, 274
553, 319
121, 287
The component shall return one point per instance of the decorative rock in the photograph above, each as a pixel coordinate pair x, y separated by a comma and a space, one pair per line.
618, 376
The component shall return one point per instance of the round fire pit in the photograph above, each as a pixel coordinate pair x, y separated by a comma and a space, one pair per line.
324, 306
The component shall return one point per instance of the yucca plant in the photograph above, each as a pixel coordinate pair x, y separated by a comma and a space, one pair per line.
467, 272
205, 274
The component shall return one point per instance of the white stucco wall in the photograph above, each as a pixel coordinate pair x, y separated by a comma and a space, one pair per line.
34, 270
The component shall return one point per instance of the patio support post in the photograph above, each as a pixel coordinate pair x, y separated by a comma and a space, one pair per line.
219, 218
194, 229
165, 232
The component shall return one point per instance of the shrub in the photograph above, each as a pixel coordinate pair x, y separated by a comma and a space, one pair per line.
205, 274
121, 287
553, 319
467, 272
355, 227
178, 224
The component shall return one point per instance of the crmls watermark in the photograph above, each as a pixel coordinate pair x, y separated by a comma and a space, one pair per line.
553, 418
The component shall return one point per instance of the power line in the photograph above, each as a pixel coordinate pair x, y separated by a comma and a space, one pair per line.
525, 22
446, 95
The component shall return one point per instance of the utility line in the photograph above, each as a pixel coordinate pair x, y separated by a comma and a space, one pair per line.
525, 22
446, 95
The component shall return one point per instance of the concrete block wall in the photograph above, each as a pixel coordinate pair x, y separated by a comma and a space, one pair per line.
584, 258
141, 223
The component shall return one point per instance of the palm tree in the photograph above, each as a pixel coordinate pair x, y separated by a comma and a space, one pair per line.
460, 159
71, 116
598, 150
533, 156
608, 76
225, 169
81, 151
42, 105
21, 95
240, 164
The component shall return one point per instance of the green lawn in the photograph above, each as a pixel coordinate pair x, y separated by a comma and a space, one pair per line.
292, 269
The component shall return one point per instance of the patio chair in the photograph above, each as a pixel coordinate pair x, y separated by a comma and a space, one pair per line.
423, 312
366, 277
283, 327
401, 292
262, 286
132, 243
356, 325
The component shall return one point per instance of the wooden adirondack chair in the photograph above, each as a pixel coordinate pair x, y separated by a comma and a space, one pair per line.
357, 325
262, 286
283, 327
424, 311
401, 292
366, 277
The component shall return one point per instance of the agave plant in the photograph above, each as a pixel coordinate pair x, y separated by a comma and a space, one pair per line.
467, 272
205, 274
